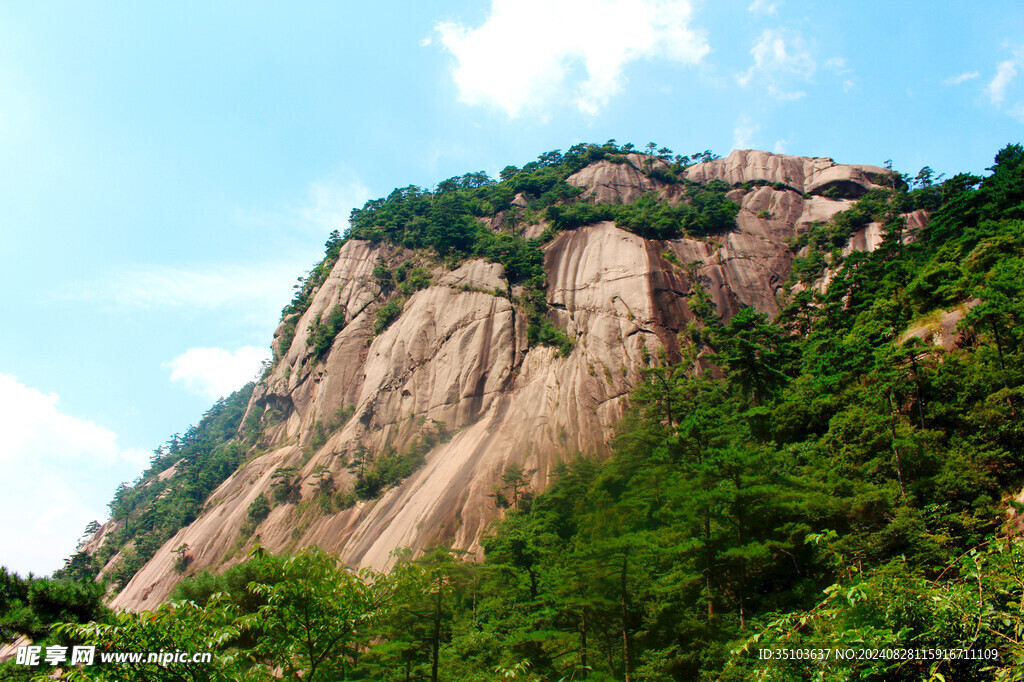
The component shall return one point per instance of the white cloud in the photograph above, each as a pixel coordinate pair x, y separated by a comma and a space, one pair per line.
999, 87
31, 422
962, 78
1005, 73
785, 95
763, 7
838, 65
323, 205
781, 58
329, 202
529, 54
215, 372
780, 146
743, 133
55, 465
260, 290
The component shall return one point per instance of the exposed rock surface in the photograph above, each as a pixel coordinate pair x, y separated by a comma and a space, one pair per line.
618, 183
458, 354
808, 175
940, 328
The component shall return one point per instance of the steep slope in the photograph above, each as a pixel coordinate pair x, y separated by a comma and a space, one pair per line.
454, 377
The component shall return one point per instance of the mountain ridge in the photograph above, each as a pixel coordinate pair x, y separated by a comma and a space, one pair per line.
457, 368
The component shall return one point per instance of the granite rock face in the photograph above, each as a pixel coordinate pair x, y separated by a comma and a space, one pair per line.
808, 175
619, 183
458, 355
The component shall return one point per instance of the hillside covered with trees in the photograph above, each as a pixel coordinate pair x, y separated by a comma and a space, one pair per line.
832, 481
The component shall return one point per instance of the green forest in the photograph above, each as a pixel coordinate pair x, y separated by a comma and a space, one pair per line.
835, 484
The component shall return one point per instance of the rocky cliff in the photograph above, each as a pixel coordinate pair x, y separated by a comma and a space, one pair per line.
455, 369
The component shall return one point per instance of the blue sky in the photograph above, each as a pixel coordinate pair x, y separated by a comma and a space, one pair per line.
169, 171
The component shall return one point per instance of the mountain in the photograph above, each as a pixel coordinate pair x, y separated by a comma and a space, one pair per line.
614, 416
434, 405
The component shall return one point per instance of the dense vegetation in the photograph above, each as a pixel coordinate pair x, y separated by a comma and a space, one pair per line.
32, 606
705, 212
150, 510
446, 223
825, 241
837, 484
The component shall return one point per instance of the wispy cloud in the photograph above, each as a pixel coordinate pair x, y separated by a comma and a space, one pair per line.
323, 205
205, 286
961, 78
215, 372
781, 59
252, 288
1002, 87
763, 7
744, 131
55, 465
329, 203
1006, 71
1017, 112
838, 65
785, 95
492, 68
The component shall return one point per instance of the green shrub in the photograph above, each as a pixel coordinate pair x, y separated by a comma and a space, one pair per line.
322, 332
286, 337
388, 313
286, 485
182, 559
374, 475
258, 510
411, 281
705, 212
808, 268
382, 276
